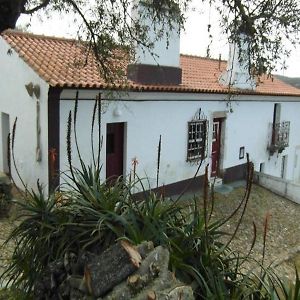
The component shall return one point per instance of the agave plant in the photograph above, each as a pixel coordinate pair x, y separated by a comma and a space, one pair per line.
91, 214
35, 236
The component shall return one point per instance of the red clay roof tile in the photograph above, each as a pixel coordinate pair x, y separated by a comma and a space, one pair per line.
57, 61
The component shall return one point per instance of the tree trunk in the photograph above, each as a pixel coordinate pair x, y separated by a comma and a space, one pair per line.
10, 11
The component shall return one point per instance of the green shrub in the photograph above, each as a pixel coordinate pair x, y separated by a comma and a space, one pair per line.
13, 294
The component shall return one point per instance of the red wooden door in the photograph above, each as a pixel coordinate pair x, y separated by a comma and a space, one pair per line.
216, 145
114, 150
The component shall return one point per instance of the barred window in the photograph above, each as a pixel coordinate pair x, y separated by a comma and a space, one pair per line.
196, 146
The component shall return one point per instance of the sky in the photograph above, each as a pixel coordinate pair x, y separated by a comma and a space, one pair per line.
194, 40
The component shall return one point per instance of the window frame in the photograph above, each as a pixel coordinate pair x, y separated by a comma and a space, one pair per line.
198, 137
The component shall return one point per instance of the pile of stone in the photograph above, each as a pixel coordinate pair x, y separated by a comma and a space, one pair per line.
122, 272
5, 194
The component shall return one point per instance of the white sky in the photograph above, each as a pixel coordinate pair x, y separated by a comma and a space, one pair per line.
194, 40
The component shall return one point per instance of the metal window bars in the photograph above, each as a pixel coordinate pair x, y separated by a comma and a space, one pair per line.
280, 133
197, 136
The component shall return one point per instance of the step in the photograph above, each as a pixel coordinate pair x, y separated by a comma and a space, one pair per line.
4, 179
215, 181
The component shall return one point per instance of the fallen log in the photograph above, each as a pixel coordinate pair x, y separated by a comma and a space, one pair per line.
110, 268
152, 281
122, 272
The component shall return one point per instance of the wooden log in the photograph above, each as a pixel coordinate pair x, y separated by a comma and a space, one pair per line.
133, 280
114, 265
134, 255
153, 267
152, 281
151, 295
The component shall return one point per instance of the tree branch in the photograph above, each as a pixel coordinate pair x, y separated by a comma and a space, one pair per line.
271, 13
38, 7
10, 11
93, 39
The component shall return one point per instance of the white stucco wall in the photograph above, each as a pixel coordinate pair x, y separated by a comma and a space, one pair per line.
15, 101
247, 125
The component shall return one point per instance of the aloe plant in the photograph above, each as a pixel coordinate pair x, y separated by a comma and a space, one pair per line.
91, 214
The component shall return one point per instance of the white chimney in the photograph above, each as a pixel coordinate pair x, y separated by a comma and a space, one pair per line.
237, 72
162, 62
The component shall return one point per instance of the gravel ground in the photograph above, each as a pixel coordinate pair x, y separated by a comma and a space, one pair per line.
6, 225
283, 238
282, 235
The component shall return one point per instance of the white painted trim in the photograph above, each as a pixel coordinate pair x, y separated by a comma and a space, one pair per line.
86, 94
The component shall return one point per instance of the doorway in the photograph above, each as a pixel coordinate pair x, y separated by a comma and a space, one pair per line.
216, 147
283, 167
114, 150
297, 165
4, 138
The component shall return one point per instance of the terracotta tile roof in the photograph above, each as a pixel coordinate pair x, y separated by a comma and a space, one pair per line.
60, 62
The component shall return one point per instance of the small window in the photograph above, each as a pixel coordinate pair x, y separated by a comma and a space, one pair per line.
196, 147
242, 152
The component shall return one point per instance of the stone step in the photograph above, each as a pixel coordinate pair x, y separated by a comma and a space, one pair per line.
215, 181
4, 179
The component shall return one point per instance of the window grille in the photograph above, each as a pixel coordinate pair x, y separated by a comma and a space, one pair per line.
197, 136
280, 133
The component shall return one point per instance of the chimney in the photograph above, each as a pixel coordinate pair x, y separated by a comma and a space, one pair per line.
237, 72
160, 65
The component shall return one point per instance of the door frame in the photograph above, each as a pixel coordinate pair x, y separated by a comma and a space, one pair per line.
219, 120
5, 130
296, 169
123, 151
283, 169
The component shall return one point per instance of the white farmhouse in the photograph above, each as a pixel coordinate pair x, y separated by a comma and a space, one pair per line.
187, 100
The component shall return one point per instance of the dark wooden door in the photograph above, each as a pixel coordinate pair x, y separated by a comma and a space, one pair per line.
114, 150
4, 139
216, 145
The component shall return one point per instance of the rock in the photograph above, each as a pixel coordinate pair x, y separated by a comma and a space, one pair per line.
145, 248
177, 293
91, 275
48, 285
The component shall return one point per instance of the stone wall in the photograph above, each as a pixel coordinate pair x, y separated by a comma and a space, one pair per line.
280, 186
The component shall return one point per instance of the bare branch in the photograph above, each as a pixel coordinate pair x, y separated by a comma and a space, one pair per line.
93, 41
36, 8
